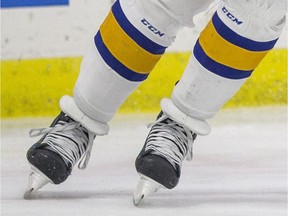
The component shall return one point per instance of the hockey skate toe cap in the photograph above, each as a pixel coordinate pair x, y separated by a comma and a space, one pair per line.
49, 163
158, 169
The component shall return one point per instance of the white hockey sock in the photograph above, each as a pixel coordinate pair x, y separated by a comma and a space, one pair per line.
128, 45
231, 46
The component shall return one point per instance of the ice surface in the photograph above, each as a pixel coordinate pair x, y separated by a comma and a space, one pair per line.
240, 169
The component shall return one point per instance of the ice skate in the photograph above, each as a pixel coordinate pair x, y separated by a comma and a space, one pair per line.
159, 162
52, 158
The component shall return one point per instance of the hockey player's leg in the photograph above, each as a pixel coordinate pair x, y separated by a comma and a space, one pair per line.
123, 53
228, 50
158, 164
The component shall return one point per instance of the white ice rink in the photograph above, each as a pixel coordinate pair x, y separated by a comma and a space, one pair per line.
240, 169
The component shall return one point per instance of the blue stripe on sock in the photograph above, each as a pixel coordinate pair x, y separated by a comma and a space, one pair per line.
217, 68
116, 65
239, 40
134, 33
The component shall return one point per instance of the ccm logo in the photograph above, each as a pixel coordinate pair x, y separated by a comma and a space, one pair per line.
231, 16
152, 28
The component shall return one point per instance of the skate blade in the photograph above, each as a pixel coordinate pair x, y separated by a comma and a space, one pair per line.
36, 180
146, 186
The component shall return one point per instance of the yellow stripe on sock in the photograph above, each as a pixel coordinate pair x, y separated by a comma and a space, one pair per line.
226, 53
125, 49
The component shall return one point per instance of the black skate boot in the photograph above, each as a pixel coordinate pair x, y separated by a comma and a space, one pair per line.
52, 158
159, 162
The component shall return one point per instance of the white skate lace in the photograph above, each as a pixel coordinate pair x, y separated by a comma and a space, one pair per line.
170, 140
69, 141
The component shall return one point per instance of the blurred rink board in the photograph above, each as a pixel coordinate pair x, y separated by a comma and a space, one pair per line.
31, 3
42, 48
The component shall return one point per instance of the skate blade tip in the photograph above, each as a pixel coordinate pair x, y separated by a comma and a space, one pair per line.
36, 181
136, 201
29, 194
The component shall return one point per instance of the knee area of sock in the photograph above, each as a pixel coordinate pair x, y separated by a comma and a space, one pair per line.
260, 8
258, 20
151, 19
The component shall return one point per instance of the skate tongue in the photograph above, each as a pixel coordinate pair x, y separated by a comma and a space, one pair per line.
145, 187
36, 181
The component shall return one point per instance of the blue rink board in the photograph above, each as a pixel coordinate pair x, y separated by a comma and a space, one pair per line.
32, 3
